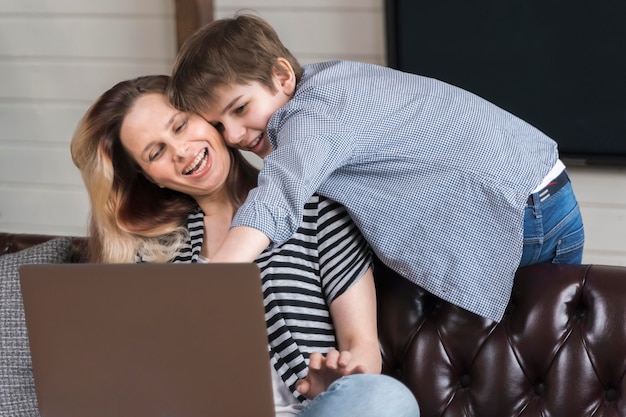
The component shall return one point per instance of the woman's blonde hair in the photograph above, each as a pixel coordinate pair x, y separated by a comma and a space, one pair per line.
129, 214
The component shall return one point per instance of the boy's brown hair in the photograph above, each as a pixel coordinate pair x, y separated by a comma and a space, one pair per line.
237, 50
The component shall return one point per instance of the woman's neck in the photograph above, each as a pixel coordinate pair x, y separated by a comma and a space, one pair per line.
218, 215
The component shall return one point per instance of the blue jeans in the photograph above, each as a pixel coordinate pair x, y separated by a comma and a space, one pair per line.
553, 229
364, 395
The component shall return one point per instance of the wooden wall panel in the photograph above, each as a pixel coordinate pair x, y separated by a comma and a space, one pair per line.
605, 229
37, 121
75, 7
68, 81
43, 210
313, 36
321, 31
38, 165
290, 5
84, 37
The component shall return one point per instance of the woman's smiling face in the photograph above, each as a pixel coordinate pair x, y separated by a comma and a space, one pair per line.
176, 150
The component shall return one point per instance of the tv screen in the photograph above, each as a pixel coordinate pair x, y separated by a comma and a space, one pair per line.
559, 65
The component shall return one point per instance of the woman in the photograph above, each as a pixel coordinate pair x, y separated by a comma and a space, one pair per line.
164, 187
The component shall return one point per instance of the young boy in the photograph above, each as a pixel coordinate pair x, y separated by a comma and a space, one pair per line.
451, 191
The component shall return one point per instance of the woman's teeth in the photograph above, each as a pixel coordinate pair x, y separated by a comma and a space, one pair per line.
198, 163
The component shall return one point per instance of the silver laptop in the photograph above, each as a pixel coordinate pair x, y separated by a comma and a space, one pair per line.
148, 340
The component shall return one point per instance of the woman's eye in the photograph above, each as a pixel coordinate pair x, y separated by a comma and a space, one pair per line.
155, 154
240, 109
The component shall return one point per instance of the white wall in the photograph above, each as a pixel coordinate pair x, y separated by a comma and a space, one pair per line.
57, 56
320, 30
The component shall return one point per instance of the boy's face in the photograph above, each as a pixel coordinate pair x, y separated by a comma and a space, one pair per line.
242, 111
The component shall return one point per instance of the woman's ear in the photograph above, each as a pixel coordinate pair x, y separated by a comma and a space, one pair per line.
284, 77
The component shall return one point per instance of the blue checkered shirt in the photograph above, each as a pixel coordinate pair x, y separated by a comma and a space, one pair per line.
435, 177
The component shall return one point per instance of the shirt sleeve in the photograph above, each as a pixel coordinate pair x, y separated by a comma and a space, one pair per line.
344, 254
310, 146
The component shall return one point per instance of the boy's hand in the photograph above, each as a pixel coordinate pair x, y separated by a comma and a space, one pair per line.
324, 370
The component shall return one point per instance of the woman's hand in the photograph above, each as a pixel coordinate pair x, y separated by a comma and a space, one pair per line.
324, 370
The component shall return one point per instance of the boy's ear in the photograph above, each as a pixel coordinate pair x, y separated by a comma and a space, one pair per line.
284, 77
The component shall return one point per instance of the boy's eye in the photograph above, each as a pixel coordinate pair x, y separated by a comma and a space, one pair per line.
180, 126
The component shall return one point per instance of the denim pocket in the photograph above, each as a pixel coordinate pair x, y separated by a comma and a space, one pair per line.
569, 248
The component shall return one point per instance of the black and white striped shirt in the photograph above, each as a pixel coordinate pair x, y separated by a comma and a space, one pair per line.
301, 278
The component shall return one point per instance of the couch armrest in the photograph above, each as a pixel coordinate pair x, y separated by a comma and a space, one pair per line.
15, 242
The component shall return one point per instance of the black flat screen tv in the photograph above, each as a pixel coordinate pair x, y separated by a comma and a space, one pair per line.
560, 65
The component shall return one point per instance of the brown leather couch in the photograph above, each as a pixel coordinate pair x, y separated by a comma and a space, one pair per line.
560, 350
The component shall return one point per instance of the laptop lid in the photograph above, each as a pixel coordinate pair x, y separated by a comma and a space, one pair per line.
148, 340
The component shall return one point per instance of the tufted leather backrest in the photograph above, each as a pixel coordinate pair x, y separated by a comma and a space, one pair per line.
559, 351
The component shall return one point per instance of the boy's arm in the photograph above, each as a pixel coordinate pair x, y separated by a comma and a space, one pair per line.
242, 244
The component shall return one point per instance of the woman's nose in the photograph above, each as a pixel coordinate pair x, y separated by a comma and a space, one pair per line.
182, 150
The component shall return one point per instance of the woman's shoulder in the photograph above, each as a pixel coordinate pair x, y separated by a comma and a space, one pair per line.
321, 203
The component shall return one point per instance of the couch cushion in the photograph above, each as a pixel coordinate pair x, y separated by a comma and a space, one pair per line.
17, 389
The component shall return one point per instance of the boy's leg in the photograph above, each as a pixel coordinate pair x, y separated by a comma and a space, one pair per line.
364, 395
553, 229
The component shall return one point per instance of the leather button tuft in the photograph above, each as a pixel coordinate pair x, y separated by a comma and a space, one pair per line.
610, 394
580, 313
540, 388
465, 380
